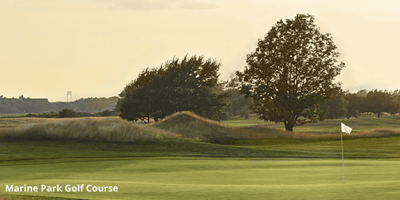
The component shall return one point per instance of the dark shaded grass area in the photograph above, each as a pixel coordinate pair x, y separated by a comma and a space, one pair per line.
13, 150
356, 147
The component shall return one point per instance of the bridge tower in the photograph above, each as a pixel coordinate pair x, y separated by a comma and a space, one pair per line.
69, 94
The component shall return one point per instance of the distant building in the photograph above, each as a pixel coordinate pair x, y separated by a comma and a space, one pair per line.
23, 98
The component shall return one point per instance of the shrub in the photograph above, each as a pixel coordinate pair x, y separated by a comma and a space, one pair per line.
66, 113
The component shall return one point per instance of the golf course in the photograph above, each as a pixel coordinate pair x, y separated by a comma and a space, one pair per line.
188, 157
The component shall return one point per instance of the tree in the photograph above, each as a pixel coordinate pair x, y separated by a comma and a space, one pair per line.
395, 102
379, 101
354, 106
138, 103
291, 72
336, 105
185, 85
106, 113
238, 104
66, 113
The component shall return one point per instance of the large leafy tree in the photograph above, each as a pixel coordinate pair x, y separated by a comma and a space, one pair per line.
136, 102
291, 72
185, 85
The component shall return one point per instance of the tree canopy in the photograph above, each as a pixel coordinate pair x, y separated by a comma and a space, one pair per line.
378, 101
291, 72
336, 105
185, 85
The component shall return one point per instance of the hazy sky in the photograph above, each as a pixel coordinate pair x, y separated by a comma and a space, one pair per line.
95, 47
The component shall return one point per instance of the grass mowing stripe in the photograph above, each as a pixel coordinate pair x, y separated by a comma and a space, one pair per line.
231, 185
386, 147
218, 178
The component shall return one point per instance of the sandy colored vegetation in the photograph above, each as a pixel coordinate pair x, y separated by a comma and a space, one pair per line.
179, 125
93, 128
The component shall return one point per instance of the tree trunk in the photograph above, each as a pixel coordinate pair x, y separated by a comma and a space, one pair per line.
289, 126
379, 115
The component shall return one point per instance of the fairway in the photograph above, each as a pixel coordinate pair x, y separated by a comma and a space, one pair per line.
213, 178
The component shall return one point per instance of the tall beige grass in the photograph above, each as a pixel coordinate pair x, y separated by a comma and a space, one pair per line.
15, 122
95, 129
190, 125
179, 125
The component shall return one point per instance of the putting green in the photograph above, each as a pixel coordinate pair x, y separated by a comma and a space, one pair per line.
209, 178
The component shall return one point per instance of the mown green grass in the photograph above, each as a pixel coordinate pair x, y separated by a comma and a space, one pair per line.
31, 197
361, 124
384, 147
272, 168
376, 148
215, 178
52, 150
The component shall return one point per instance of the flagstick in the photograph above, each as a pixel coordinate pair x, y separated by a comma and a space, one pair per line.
341, 142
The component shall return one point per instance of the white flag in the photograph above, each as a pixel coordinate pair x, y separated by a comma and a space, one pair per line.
346, 129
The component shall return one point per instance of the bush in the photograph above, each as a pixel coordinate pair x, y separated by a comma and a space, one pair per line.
30, 115
66, 113
106, 113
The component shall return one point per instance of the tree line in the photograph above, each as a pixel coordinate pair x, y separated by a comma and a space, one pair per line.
67, 113
345, 104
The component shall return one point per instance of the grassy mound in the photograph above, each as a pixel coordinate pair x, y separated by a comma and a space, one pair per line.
95, 129
190, 125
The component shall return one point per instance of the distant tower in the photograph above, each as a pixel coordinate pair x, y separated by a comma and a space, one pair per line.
69, 94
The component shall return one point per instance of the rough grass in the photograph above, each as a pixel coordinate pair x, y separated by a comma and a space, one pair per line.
179, 125
95, 129
190, 125
9, 123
